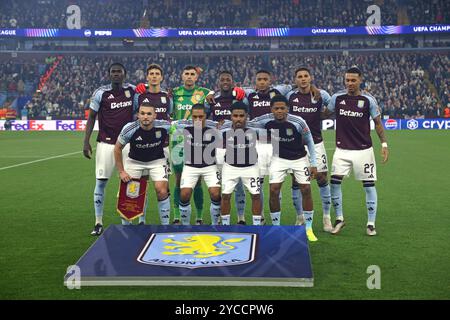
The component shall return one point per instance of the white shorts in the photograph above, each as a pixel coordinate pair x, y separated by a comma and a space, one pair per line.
191, 175
104, 159
264, 158
321, 157
156, 169
362, 161
279, 168
249, 176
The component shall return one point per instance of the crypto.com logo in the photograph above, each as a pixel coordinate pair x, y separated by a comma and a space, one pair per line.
412, 124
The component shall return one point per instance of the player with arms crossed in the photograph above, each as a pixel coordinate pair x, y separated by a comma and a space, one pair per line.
289, 135
184, 97
353, 110
241, 162
113, 104
303, 104
147, 138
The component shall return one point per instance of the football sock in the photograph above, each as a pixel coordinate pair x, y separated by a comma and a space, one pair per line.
325, 195
185, 212
297, 199
371, 202
275, 218
164, 211
215, 212
99, 195
336, 197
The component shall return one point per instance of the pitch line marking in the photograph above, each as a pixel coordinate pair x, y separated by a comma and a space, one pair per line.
39, 160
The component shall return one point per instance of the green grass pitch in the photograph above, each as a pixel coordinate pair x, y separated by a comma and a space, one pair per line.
47, 215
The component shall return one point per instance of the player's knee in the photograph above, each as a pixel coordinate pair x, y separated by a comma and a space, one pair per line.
185, 194
275, 189
161, 193
215, 196
321, 179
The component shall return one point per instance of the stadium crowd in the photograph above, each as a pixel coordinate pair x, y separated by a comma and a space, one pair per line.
121, 14
405, 84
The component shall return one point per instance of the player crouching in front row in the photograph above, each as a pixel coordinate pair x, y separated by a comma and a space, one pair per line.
147, 138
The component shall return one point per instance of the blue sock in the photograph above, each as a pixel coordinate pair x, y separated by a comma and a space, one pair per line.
371, 202
164, 211
185, 212
336, 197
99, 195
215, 212
297, 199
239, 199
142, 218
325, 195
309, 216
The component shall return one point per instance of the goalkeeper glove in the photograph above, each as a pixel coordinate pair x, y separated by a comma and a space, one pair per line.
238, 93
141, 88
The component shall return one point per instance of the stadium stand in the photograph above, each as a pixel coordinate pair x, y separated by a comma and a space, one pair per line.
224, 13
405, 84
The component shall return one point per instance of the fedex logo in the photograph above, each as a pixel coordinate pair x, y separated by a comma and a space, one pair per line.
71, 125
31, 125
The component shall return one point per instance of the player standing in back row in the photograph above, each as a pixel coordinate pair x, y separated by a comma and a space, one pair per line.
113, 104
303, 104
353, 110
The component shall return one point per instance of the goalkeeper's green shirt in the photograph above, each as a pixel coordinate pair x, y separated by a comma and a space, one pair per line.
184, 99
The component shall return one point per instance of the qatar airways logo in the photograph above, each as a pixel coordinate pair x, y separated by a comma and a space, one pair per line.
349, 113
261, 103
303, 109
123, 104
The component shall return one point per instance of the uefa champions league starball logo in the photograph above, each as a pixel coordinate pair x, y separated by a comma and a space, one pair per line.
412, 124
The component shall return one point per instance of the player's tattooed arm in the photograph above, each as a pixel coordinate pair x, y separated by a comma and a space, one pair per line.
381, 134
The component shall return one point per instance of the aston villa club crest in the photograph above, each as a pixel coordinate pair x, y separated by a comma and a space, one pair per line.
127, 94
289, 132
272, 94
361, 104
163, 100
199, 249
158, 134
133, 188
